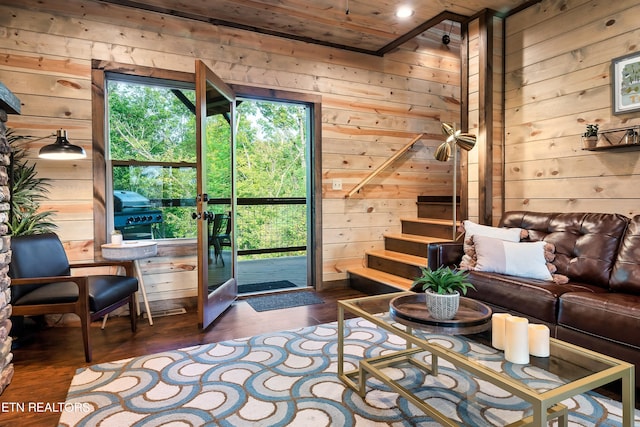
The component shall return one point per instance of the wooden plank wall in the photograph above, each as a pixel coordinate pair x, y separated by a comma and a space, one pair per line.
495, 119
497, 195
473, 118
558, 57
371, 107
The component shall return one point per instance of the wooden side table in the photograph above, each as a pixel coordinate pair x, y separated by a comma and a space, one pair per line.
132, 250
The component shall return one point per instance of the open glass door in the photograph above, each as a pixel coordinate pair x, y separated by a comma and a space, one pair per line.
215, 202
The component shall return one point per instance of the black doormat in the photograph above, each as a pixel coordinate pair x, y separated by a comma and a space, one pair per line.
284, 300
265, 286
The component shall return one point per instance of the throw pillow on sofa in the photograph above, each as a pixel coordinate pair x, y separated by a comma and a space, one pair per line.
483, 261
472, 229
522, 259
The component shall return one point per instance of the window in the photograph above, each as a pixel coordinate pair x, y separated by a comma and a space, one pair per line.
151, 157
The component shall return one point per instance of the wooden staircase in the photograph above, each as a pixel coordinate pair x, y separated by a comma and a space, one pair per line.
396, 266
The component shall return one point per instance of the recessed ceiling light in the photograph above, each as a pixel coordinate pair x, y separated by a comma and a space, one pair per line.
404, 12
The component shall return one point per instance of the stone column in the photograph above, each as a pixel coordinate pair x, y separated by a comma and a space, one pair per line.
8, 104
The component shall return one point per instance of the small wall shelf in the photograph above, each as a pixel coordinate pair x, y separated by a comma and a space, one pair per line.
614, 140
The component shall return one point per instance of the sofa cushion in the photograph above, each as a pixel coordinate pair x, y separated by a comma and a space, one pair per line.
626, 271
609, 314
531, 297
586, 243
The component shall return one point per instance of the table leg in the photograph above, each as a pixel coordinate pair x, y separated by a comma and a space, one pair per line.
340, 341
628, 398
557, 411
136, 266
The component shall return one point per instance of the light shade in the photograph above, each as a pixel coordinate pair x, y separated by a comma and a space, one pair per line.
445, 151
62, 149
466, 141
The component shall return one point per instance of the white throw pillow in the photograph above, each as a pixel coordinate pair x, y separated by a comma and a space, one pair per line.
508, 234
524, 259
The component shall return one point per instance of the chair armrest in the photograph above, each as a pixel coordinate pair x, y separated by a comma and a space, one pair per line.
127, 264
50, 279
106, 263
444, 253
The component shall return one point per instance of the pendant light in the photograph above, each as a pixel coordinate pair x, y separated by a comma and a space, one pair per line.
62, 149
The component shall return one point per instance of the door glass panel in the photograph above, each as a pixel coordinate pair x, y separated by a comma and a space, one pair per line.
217, 287
218, 185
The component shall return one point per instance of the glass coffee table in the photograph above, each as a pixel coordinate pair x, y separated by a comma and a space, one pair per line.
576, 369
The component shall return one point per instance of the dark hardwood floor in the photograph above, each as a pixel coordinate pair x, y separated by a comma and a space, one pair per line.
45, 365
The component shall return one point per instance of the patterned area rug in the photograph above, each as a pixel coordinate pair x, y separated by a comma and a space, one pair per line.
289, 379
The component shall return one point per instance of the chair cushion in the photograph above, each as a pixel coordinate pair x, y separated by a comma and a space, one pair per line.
52, 293
104, 290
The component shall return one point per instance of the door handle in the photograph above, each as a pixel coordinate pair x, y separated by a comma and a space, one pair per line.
206, 215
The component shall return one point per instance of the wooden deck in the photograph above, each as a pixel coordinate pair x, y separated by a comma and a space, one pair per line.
292, 268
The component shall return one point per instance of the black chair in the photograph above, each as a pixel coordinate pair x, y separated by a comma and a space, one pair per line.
220, 235
41, 283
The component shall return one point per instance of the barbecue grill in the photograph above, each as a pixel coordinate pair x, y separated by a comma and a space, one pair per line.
133, 215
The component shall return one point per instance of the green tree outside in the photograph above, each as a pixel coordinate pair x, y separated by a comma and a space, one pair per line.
151, 124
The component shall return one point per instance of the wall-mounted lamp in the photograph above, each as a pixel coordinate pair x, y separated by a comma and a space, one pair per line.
62, 149
465, 141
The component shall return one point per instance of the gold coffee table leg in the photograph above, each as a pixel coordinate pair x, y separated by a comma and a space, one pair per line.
559, 411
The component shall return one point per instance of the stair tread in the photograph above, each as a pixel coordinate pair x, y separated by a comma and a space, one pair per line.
382, 277
415, 238
435, 221
400, 256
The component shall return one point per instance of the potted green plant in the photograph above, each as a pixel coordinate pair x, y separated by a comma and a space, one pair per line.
442, 288
590, 137
27, 192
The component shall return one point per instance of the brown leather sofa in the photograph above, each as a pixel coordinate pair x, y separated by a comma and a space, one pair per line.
599, 308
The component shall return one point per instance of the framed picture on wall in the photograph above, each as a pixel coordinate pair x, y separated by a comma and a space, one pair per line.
625, 83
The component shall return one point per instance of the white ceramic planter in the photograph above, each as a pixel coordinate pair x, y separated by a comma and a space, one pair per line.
442, 307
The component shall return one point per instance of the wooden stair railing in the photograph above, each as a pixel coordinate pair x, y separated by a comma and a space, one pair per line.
383, 166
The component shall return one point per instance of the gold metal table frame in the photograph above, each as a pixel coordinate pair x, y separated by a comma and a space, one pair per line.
545, 404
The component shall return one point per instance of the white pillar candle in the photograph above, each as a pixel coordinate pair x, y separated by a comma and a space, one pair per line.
116, 239
539, 340
516, 345
497, 330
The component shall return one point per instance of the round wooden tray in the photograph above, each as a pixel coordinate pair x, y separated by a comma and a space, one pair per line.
411, 310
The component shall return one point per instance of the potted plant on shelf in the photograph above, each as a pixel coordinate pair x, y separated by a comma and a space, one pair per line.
590, 137
442, 288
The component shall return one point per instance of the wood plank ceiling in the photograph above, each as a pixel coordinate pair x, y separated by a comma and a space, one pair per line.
367, 26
